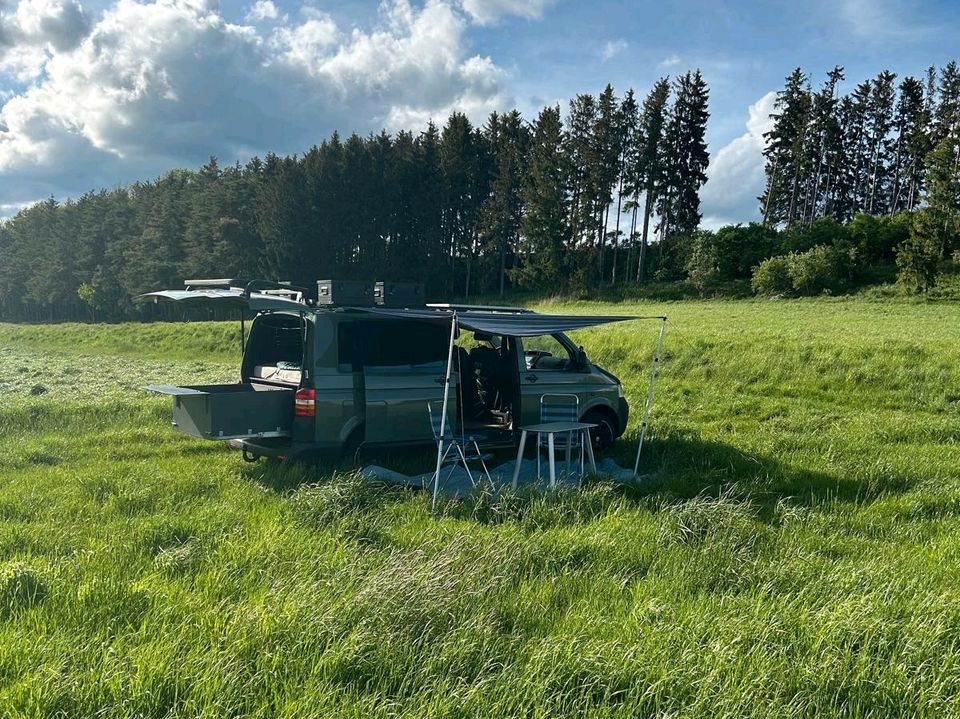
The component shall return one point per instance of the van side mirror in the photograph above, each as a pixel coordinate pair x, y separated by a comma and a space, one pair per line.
582, 361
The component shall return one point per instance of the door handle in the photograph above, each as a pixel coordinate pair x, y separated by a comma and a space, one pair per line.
531, 378
440, 380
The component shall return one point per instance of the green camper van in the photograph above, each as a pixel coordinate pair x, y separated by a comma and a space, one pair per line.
321, 378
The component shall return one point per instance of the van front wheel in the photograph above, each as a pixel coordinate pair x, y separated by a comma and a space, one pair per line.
605, 432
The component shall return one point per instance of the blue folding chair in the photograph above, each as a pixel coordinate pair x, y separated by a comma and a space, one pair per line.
459, 449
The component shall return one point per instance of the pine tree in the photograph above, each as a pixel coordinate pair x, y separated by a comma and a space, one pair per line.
628, 122
935, 231
429, 212
646, 173
580, 153
947, 117
855, 110
606, 143
509, 140
461, 203
544, 195
687, 157
910, 147
879, 124
823, 150
784, 150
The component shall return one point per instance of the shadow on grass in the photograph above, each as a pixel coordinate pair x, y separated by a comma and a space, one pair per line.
680, 468
676, 469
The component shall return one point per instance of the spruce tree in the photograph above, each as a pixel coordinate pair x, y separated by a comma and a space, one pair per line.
879, 124
646, 173
910, 147
783, 152
509, 139
935, 231
823, 150
686, 157
580, 153
606, 142
544, 195
628, 122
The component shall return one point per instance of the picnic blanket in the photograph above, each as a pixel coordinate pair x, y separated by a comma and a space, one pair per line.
454, 481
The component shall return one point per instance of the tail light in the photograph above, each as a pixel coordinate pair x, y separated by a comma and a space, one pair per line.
305, 403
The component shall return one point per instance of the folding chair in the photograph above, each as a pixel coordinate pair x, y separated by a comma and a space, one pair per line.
458, 450
560, 408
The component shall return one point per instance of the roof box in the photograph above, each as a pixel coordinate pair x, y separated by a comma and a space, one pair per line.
398, 294
353, 293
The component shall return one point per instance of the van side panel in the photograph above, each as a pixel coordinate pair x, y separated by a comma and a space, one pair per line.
338, 411
399, 367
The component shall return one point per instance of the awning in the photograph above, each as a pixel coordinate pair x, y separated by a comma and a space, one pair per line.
229, 297
519, 324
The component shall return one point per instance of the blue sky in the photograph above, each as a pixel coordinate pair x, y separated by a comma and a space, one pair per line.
97, 94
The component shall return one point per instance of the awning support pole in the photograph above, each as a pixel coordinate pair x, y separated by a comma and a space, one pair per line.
653, 380
443, 418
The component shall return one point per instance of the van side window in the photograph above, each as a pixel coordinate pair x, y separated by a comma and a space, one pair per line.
387, 343
545, 353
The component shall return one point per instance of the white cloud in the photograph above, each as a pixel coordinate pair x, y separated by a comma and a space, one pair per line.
306, 44
155, 85
263, 10
487, 12
612, 48
35, 30
668, 62
736, 172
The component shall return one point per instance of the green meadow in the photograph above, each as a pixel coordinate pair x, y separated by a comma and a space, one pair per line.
793, 550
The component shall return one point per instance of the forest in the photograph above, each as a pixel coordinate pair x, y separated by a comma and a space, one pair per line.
860, 188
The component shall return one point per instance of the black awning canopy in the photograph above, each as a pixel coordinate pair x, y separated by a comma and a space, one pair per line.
519, 324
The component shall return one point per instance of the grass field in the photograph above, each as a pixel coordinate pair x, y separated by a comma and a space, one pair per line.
795, 552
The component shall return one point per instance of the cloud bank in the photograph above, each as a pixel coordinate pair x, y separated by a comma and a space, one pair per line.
736, 173
153, 85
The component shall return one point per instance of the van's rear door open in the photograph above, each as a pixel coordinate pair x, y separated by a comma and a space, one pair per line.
228, 297
230, 411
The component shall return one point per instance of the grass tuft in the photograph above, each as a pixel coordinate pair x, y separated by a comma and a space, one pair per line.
21, 587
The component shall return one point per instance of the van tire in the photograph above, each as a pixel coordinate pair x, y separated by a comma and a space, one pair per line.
603, 435
351, 447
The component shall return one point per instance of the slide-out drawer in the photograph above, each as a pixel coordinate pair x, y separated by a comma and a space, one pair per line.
230, 411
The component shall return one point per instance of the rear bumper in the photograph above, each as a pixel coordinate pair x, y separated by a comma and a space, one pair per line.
285, 449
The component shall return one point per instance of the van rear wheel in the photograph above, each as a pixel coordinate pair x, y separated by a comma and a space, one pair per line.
605, 432
350, 452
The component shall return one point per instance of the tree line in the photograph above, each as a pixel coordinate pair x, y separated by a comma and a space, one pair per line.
886, 149
860, 188
568, 202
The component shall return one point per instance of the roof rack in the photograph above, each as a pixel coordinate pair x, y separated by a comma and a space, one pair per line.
478, 308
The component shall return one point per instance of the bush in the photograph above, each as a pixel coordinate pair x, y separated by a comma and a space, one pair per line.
729, 254
816, 270
918, 257
877, 238
772, 277
819, 269
822, 231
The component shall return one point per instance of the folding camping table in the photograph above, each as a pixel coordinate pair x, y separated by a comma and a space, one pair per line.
551, 429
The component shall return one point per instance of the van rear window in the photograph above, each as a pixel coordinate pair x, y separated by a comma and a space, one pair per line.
386, 343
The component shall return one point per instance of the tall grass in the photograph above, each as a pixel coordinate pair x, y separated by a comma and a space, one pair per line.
793, 553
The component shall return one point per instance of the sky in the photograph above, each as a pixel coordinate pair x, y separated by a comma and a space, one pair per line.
106, 92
